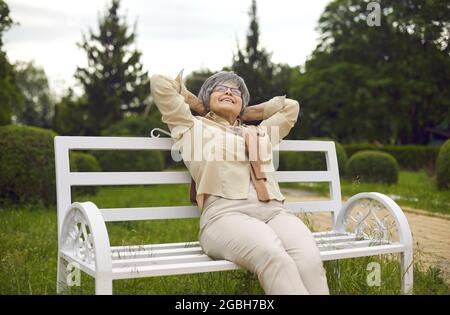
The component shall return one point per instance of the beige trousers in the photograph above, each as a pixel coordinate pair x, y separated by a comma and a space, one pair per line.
267, 240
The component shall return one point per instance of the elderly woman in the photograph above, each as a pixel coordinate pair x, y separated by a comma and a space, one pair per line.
234, 185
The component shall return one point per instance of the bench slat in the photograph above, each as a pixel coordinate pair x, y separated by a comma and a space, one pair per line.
160, 260
187, 212
155, 252
362, 251
178, 177
335, 239
155, 246
113, 143
125, 272
197, 243
303, 176
153, 213
127, 178
351, 244
173, 269
311, 206
187, 257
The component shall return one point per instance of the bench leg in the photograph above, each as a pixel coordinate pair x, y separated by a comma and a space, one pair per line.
406, 261
61, 277
103, 286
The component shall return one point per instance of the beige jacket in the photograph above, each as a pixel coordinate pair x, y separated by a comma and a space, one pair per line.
214, 151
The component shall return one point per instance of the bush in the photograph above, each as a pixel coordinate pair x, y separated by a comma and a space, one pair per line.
132, 160
373, 166
27, 168
83, 162
409, 157
312, 161
443, 167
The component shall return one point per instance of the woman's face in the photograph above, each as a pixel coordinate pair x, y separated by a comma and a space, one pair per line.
226, 101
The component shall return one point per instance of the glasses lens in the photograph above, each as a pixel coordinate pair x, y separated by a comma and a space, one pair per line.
236, 92
223, 88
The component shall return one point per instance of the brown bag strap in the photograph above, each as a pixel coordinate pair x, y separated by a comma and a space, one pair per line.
193, 194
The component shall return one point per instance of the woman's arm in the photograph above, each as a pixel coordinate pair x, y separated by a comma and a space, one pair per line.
254, 112
194, 103
174, 102
279, 115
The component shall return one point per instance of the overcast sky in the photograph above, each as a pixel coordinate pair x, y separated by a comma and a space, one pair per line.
172, 34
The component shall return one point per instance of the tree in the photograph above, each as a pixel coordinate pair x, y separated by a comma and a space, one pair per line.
10, 96
71, 118
263, 78
384, 83
114, 81
38, 103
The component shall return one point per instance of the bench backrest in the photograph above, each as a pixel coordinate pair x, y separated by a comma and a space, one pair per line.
65, 179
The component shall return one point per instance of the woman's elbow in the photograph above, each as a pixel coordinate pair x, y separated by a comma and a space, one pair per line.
161, 85
292, 109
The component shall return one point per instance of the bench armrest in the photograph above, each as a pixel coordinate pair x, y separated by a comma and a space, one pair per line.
401, 223
85, 236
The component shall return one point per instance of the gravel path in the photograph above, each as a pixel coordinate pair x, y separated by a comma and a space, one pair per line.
431, 232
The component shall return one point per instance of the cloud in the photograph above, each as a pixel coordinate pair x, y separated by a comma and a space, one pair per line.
171, 34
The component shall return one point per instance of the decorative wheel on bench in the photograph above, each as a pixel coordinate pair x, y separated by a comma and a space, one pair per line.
367, 224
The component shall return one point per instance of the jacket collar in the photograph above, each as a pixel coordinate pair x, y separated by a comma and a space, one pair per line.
220, 120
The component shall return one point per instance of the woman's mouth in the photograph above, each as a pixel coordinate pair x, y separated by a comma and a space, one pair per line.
226, 99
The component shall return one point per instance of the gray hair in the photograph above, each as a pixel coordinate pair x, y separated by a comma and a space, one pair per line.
220, 78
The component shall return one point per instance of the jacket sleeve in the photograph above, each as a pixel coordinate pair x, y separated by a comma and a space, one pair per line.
280, 115
175, 112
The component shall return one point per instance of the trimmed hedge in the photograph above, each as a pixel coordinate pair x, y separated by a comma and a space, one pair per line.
443, 167
312, 161
83, 162
409, 157
372, 166
27, 168
132, 160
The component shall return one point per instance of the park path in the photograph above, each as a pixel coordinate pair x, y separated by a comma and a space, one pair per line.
430, 231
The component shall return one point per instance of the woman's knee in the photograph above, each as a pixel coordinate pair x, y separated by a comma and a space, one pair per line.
273, 256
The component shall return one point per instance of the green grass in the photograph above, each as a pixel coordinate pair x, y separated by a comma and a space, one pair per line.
29, 248
414, 189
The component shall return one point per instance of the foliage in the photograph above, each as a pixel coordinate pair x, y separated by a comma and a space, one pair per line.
390, 81
263, 78
372, 166
410, 157
38, 102
114, 81
70, 118
83, 162
10, 96
131, 160
443, 167
27, 168
312, 161
29, 250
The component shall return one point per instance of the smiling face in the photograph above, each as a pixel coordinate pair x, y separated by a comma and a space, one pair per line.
224, 102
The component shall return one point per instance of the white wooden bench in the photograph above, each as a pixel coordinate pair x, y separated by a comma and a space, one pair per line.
358, 227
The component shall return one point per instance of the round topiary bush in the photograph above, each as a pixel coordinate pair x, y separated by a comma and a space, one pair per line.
27, 167
83, 162
312, 161
131, 160
373, 167
443, 167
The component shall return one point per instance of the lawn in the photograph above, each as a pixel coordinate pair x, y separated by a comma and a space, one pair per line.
29, 248
414, 189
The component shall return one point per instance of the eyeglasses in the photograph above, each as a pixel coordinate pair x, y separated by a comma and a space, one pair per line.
223, 88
